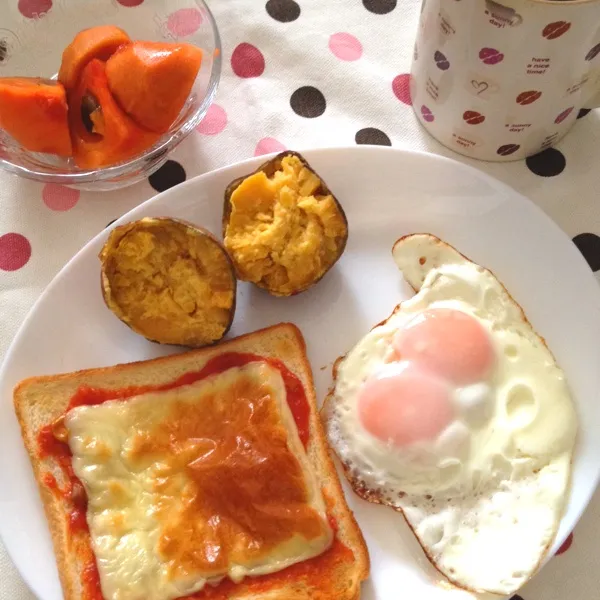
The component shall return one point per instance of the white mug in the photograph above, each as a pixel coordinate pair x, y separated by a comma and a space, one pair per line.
504, 79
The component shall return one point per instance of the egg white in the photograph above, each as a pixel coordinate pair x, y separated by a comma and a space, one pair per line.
486, 497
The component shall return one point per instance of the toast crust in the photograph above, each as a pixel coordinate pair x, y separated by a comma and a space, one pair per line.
40, 400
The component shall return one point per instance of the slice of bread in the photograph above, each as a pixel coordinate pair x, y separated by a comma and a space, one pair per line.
40, 400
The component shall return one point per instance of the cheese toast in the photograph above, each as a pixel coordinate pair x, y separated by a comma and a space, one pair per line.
337, 572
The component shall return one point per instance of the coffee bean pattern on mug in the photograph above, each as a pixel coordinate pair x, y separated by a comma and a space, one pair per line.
489, 56
522, 68
555, 30
441, 61
473, 117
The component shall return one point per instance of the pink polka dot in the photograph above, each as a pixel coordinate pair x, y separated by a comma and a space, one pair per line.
15, 251
214, 121
401, 88
268, 145
566, 545
345, 46
247, 61
184, 21
59, 197
32, 9
130, 2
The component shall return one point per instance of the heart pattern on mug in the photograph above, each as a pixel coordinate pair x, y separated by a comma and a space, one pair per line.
480, 86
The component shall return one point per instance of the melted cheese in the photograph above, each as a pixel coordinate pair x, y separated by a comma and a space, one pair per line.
192, 485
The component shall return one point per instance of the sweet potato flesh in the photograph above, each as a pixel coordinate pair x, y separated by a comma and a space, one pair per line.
281, 234
169, 282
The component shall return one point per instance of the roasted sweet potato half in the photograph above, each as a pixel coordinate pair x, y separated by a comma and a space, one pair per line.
170, 281
282, 226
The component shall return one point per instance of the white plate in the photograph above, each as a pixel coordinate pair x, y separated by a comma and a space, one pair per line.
386, 193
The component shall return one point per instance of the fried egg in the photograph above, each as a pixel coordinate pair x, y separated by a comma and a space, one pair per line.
454, 412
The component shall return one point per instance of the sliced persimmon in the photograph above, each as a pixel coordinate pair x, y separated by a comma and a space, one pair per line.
152, 80
34, 112
102, 133
96, 42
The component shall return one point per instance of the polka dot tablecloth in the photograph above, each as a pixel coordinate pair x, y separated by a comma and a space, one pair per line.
298, 74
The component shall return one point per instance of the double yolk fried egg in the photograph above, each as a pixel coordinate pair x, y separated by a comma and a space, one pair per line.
454, 412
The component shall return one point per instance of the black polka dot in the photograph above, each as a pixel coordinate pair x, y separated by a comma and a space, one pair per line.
283, 11
380, 7
516, 597
170, 174
589, 246
308, 102
548, 163
583, 112
110, 223
370, 135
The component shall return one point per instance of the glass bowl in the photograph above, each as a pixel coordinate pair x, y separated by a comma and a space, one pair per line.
33, 34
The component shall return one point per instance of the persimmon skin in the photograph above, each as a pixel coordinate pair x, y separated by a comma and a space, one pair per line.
115, 136
151, 81
34, 112
96, 42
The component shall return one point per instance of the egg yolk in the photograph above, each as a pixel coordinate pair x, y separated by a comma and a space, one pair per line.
448, 342
405, 404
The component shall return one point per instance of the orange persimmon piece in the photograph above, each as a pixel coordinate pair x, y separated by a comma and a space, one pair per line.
152, 80
34, 112
96, 42
101, 132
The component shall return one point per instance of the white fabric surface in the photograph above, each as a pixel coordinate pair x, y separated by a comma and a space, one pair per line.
359, 94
